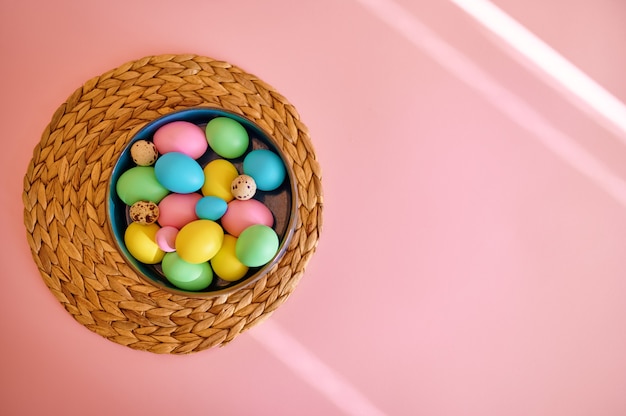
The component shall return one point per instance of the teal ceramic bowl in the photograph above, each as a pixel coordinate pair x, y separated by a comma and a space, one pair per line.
281, 202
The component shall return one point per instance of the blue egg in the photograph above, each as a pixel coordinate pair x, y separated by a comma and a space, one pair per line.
266, 168
211, 208
179, 173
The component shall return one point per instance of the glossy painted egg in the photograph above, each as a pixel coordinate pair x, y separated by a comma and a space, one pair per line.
184, 275
225, 263
242, 214
227, 137
181, 136
199, 241
141, 243
266, 167
211, 208
166, 238
140, 183
256, 245
177, 210
218, 176
179, 173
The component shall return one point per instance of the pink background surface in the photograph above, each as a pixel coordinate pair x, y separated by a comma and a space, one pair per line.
469, 264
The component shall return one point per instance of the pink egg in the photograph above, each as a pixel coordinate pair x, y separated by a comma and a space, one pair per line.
181, 136
176, 210
166, 238
242, 214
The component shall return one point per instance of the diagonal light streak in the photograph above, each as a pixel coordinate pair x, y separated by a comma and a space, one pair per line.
314, 371
549, 61
512, 106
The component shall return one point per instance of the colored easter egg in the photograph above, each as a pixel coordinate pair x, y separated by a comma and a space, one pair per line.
176, 210
218, 176
211, 208
144, 153
182, 137
140, 183
184, 275
256, 245
179, 173
266, 167
199, 241
141, 244
227, 137
243, 187
242, 214
166, 238
225, 263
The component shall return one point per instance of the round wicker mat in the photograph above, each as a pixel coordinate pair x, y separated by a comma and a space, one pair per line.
65, 216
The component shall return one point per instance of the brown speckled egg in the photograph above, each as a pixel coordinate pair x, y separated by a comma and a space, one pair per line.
144, 212
144, 153
243, 187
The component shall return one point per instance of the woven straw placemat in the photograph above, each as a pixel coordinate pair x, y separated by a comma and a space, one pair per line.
65, 215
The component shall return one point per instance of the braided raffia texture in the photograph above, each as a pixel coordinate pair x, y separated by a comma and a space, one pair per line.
65, 214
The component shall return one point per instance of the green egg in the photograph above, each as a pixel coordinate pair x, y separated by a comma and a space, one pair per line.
140, 184
227, 137
256, 245
184, 275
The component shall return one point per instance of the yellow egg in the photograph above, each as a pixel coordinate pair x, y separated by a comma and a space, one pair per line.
226, 264
141, 243
198, 241
218, 176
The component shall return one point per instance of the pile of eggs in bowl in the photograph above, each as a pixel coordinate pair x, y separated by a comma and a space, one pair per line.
193, 221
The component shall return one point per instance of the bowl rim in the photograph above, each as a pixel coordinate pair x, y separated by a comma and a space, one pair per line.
244, 283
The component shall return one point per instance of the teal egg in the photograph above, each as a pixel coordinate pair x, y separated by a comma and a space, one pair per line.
256, 245
139, 183
227, 137
185, 275
179, 173
266, 168
211, 208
